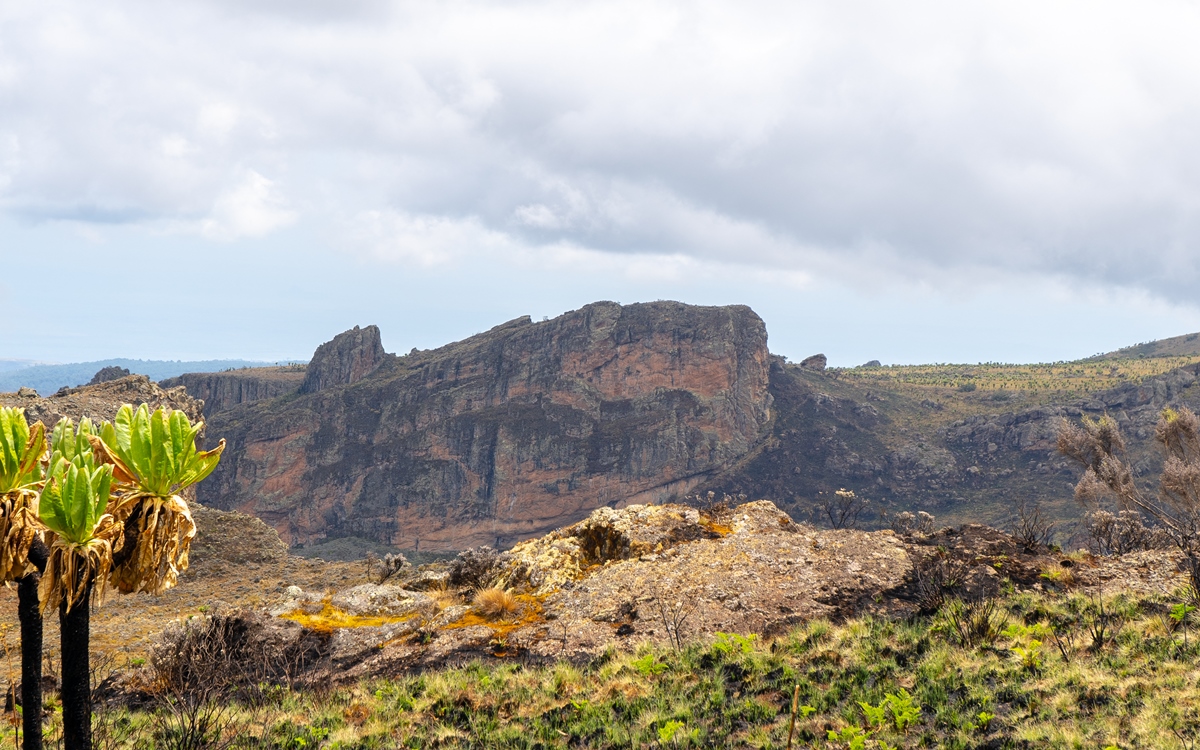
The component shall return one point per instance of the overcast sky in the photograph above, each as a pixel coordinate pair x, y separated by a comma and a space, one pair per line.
908, 182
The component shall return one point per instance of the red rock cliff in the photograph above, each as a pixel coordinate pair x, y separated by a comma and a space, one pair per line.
508, 434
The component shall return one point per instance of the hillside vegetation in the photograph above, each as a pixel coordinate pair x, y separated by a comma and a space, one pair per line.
1027, 670
1058, 380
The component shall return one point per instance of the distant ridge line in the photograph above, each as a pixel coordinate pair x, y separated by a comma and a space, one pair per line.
46, 379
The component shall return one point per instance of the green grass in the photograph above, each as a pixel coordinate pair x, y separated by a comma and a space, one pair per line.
1074, 378
1038, 679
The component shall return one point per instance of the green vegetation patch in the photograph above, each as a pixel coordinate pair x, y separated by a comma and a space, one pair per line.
1068, 377
1051, 671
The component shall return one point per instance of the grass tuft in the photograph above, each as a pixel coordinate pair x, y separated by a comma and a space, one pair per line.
496, 604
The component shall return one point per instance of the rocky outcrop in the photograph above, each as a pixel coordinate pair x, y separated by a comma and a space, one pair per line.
815, 362
669, 573
223, 390
505, 435
105, 374
347, 359
101, 401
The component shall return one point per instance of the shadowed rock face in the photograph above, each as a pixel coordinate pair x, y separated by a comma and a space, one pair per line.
224, 390
348, 358
505, 435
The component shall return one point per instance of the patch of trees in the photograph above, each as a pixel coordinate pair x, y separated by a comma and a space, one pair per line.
92, 506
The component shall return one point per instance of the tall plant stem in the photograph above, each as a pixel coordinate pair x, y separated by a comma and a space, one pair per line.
29, 612
75, 631
30, 615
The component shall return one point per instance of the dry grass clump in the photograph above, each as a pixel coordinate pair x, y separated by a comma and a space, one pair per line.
495, 604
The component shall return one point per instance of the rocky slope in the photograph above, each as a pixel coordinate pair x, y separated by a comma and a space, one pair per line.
102, 400
904, 452
662, 573
221, 391
502, 436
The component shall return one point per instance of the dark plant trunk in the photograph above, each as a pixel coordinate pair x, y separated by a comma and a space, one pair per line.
29, 612
30, 615
75, 629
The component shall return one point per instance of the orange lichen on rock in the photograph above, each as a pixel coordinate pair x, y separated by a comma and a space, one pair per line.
719, 529
331, 618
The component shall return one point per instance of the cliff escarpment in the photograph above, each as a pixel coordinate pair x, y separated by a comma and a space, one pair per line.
964, 456
502, 436
223, 390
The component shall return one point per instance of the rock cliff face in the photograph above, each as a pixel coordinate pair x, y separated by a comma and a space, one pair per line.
348, 358
223, 390
505, 435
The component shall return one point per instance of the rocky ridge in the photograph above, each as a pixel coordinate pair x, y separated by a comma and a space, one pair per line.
221, 391
906, 454
658, 573
503, 436
101, 400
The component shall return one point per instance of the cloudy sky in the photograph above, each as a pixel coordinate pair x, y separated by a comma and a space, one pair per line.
908, 182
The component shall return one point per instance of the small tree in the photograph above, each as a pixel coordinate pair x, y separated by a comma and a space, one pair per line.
843, 509
72, 508
112, 510
1097, 445
22, 448
154, 456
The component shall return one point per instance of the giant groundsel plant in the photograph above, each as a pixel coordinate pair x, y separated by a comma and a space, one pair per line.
154, 455
73, 508
22, 450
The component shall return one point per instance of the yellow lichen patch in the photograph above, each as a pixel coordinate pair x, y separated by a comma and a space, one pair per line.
719, 529
331, 618
530, 613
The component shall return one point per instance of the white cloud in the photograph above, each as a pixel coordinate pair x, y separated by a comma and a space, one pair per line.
252, 208
933, 142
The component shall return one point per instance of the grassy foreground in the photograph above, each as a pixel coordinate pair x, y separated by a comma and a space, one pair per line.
1058, 670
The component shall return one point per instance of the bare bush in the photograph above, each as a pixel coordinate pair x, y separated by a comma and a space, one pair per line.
232, 654
1033, 529
843, 508
1122, 532
715, 508
1096, 444
674, 607
380, 569
475, 568
937, 578
212, 674
906, 523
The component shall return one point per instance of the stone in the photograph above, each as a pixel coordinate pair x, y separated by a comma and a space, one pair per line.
380, 599
346, 359
105, 374
815, 362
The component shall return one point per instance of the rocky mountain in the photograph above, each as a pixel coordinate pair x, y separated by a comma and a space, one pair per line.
223, 390
968, 460
502, 436
530, 426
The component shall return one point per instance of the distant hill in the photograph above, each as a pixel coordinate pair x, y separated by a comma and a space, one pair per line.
46, 379
1176, 346
15, 364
